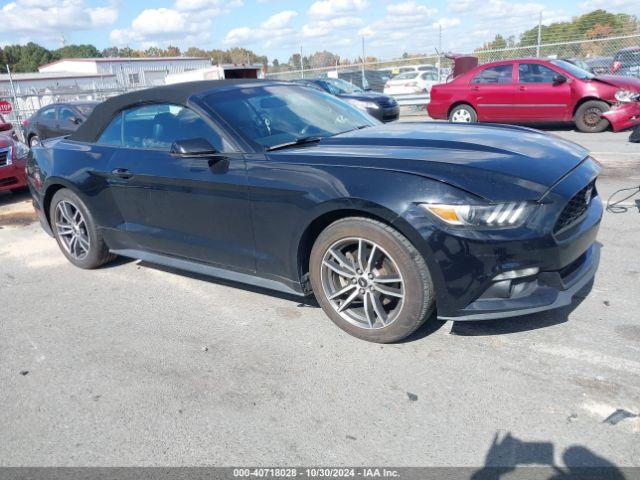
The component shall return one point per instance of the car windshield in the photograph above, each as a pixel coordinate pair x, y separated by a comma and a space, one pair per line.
573, 69
406, 76
337, 86
273, 115
85, 108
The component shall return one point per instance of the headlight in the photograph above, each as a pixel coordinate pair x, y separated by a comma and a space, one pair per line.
512, 214
625, 96
20, 149
363, 105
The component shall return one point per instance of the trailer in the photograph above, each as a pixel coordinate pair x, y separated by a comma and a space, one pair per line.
218, 72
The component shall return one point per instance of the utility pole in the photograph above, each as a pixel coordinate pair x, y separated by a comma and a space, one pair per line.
439, 49
301, 64
364, 78
539, 35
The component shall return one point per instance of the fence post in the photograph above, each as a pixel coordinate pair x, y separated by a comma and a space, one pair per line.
16, 107
301, 64
364, 78
539, 35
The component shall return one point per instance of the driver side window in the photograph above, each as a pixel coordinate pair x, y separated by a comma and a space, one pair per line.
157, 126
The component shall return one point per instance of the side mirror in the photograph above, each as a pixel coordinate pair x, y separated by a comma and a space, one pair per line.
5, 127
559, 79
75, 120
193, 147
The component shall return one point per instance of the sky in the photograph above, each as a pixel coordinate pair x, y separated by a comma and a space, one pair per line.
278, 28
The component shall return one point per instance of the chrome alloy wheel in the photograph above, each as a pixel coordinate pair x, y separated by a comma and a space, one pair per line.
72, 230
362, 283
461, 116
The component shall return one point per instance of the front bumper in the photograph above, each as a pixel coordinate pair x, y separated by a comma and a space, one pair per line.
13, 176
550, 290
385, 114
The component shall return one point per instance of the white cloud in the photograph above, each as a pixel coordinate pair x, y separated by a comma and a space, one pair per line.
336, 8
623, 6
187, 22
270, 32
46, 19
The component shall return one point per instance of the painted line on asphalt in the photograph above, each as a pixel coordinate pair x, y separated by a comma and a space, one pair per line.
589, 356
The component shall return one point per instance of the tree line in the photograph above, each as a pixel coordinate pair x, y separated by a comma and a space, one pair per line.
591, 27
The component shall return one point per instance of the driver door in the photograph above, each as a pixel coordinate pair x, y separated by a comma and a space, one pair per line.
195, 208
538, 98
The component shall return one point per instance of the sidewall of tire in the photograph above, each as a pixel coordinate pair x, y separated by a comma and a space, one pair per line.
418, 301
98, 252
579, 116
468, 108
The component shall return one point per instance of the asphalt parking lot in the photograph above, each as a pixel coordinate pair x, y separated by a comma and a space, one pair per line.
136, 365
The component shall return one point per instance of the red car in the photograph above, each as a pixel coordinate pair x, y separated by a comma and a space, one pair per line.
13, 157
529, 90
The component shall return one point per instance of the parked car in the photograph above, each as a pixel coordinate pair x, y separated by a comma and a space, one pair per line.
599, 65
13, 157
411, 83
529, 90
627, 62
379, 106
284, 187
373, 79
56, 120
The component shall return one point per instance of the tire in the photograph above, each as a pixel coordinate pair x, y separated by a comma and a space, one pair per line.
92, 252
395, 257
463, 114
587, 117
34, 140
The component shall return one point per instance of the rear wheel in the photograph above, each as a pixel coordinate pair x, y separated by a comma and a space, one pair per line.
370, 280
463, 114
588, 117
75, 231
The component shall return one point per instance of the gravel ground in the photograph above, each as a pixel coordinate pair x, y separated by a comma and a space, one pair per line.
136, 365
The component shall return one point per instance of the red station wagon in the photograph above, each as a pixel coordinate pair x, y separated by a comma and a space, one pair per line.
529, 90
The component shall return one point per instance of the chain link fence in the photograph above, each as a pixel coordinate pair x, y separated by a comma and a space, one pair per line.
598, 55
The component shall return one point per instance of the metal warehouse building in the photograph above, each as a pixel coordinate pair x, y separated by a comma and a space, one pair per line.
129, 72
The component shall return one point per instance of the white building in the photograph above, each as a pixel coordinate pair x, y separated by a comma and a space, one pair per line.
129, 72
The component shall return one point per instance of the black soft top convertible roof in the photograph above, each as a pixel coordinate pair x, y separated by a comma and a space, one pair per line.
177, 94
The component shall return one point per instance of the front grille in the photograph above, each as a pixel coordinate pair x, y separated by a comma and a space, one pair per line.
5, 156
576, 207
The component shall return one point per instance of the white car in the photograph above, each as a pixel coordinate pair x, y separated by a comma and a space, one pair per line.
411, 83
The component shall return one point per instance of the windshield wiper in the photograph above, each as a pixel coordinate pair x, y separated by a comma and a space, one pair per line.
295, 142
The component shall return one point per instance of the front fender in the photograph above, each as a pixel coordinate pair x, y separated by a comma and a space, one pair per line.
624, 116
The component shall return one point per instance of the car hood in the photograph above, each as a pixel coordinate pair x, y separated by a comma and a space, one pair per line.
496, 162
620, 81
365, 96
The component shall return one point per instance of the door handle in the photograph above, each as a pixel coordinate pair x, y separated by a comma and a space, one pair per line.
124, 173
476, 88
522, 88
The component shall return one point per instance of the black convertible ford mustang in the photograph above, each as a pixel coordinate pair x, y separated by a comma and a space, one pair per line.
288, 188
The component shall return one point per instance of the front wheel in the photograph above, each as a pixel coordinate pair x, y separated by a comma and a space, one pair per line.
370, 280
463, 114
588, 117
75, 231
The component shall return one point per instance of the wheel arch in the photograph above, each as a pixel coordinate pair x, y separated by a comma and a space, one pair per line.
458, 103
584, 100
322, 221
52, 187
